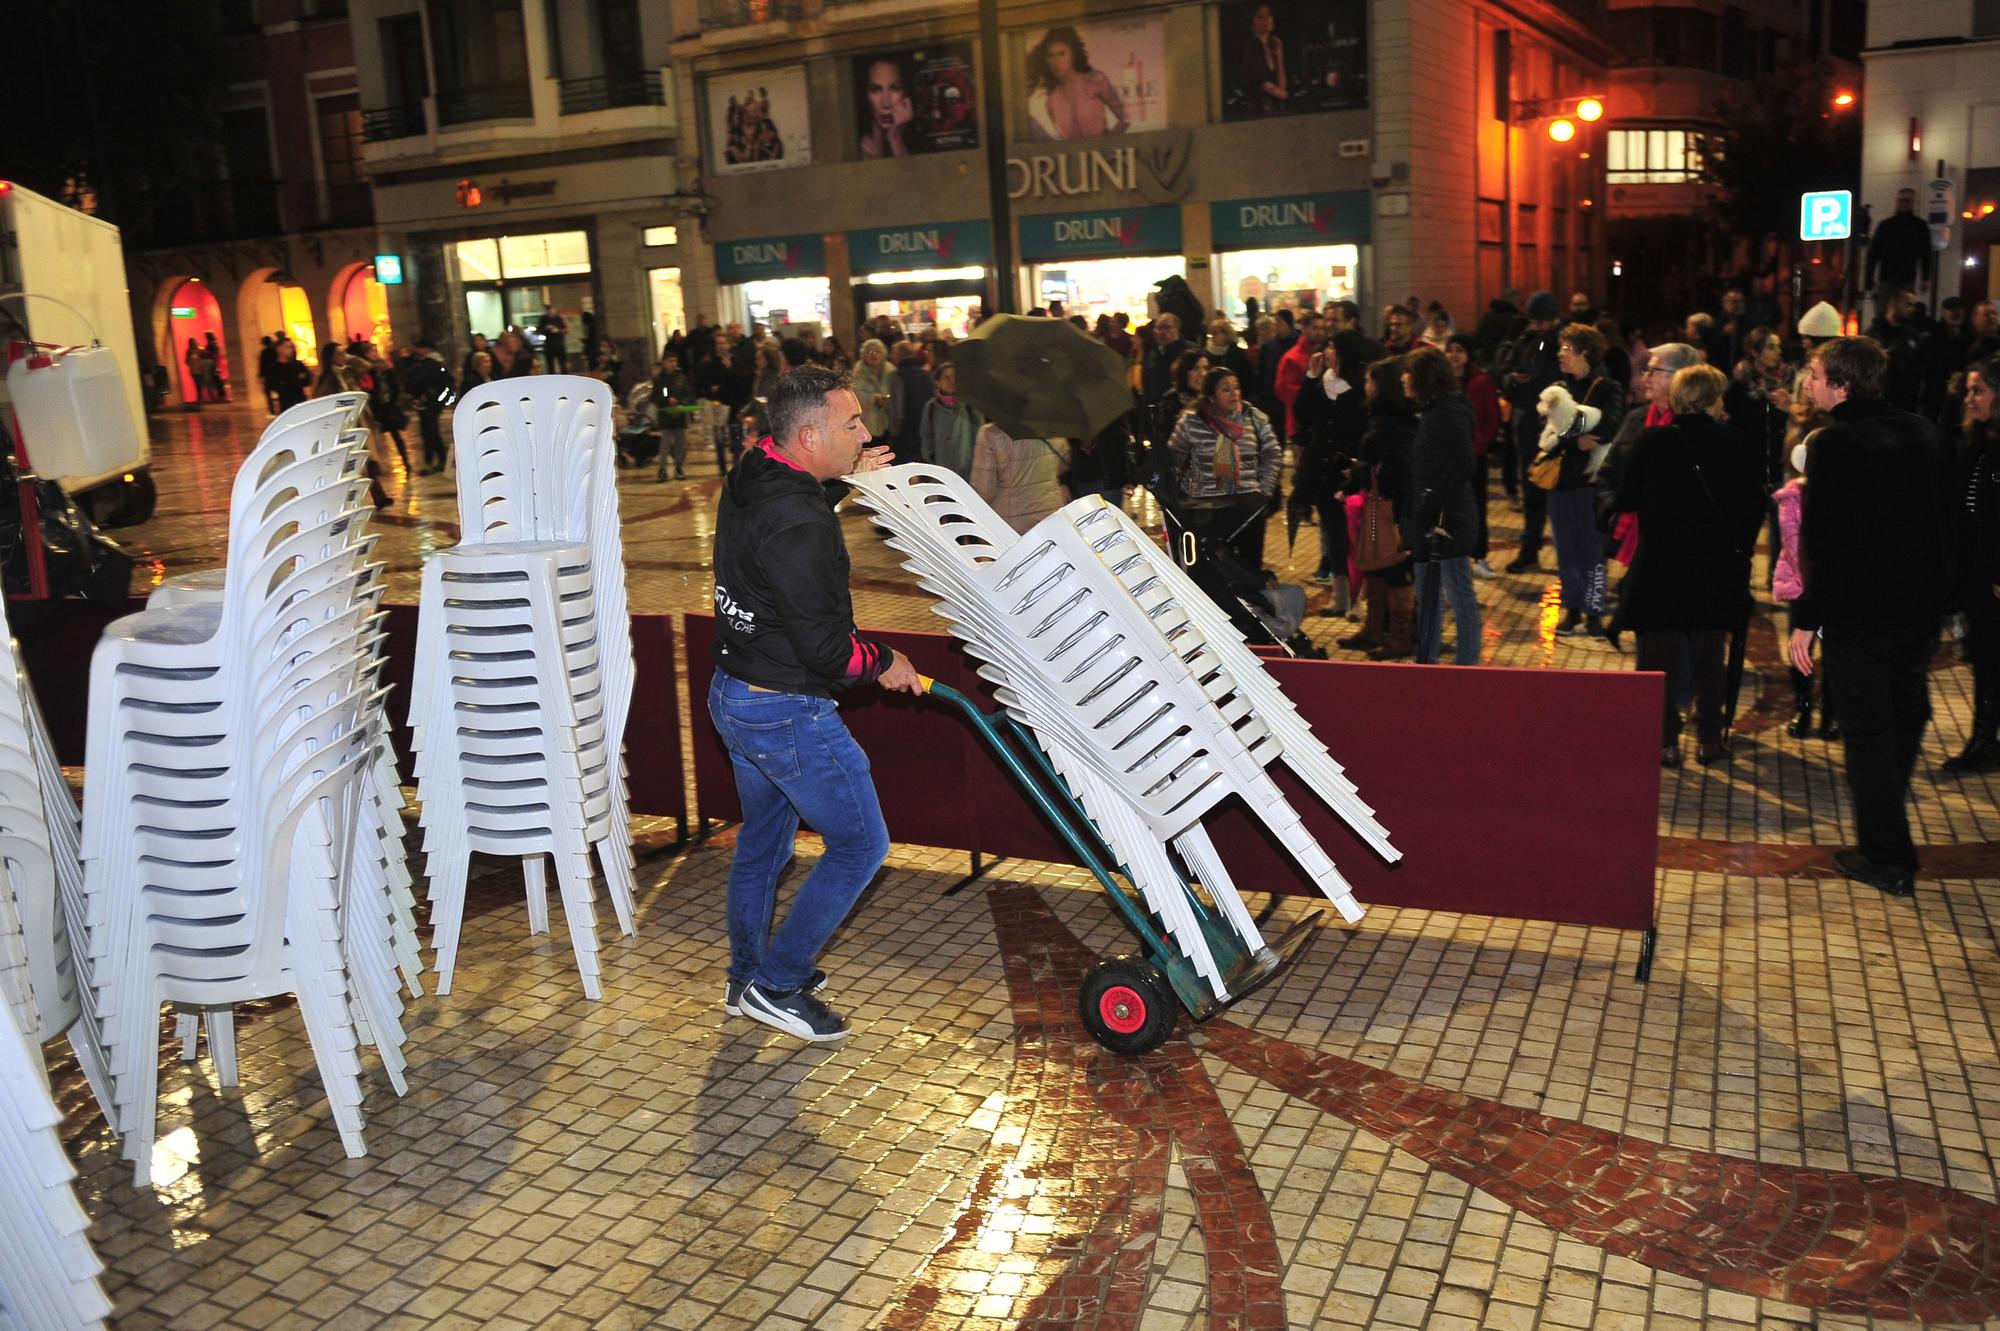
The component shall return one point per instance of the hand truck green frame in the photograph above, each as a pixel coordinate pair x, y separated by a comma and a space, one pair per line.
1127, 1002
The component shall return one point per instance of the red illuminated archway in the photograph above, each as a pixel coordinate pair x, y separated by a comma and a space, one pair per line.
193, 314
358, 306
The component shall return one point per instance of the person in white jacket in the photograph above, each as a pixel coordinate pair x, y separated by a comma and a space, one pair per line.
1021, 478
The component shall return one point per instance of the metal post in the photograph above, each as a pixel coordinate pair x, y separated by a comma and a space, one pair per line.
1004, 278
1647, 942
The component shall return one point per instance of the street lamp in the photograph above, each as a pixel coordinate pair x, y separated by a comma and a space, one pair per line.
1590, 109
1562, 130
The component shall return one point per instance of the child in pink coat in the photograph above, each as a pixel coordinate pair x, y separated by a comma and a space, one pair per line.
1788, 585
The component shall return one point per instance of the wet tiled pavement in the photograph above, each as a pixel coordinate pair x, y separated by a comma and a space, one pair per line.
1429, 1120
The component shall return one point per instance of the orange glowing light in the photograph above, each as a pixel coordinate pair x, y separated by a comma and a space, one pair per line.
1590, 109
1843, 98
1562, 131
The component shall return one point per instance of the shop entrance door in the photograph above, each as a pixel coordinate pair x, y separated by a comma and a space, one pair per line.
920, 307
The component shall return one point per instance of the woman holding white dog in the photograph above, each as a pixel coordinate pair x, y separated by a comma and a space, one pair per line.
1572, 501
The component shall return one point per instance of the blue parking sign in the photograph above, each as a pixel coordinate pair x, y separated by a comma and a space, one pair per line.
1826, 214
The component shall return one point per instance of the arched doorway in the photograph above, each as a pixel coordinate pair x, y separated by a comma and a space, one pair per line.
357, 306
271, 304
193, 316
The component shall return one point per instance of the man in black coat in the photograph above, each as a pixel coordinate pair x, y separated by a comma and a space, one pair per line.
1898, 251
1877, 561
1440, 519
1895, 331
1532, 367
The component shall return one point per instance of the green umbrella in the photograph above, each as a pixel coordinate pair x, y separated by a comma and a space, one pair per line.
1041, 378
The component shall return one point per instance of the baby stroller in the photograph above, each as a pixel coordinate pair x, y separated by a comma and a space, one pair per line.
1201, 534
639, 435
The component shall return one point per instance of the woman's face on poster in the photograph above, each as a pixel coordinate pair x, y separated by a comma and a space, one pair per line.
888, 99
1062, 60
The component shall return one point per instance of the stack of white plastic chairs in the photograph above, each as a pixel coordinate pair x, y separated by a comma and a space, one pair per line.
384, 915
1144, 697
524, 663
44, 971
228, 749
48, 1272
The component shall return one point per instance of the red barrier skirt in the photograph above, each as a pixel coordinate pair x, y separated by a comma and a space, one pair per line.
1531, 794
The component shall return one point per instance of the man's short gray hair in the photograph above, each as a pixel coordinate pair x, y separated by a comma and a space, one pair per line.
799, 400
1672, 357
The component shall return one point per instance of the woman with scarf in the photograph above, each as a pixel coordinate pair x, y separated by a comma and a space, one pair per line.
1223, 448
950, 425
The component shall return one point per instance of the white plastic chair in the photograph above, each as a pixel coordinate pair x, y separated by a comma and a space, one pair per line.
524, 663
228, 743
1145, 700
49, 1275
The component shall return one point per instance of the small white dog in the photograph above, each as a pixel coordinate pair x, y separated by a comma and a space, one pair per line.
1566, 419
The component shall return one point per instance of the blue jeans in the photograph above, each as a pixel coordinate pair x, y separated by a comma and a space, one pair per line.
1456, 576
1579, 549
794, 761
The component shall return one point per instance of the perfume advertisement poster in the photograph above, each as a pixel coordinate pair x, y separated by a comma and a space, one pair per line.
1091, 80
1292, 57
917, 101
757, 120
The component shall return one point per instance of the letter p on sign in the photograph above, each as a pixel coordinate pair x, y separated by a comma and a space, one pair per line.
1826, 215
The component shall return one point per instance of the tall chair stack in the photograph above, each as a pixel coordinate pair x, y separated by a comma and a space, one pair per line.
524, 664
229, 748
43, 972
48, 1271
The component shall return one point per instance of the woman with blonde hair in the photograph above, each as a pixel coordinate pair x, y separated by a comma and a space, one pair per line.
878, 390
1697, 488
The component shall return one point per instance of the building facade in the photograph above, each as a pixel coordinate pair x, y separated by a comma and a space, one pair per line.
524, 156
1299, 153
1933, 100
280, 237
1676, 71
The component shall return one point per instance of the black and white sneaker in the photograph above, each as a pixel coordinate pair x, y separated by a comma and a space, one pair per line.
732, 992
797, 1013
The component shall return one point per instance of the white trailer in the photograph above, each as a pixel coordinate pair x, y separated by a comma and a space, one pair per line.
80, 407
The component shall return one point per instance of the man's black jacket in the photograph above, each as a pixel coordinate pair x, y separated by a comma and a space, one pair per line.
784, 619
1875, 534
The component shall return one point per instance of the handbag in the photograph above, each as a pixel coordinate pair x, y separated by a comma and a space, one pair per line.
1545, 471
1380, 544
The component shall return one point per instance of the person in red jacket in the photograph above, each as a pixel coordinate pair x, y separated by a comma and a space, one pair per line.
1296, 367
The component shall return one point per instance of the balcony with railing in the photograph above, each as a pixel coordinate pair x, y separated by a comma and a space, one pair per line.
393, 122
602, 92
470, 105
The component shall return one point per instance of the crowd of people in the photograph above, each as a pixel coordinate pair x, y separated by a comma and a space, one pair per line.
1385, 434
1669, 460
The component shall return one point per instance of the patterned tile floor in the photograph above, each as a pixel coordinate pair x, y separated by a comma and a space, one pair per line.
1429, 1121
